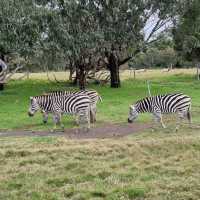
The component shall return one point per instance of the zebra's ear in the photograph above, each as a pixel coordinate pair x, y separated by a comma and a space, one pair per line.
31, 98
132, 107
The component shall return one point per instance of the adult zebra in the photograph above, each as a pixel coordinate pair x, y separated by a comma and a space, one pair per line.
161, 104
93, 95
58, 105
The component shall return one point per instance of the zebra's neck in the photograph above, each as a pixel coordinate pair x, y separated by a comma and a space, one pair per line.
42, 100
143, 105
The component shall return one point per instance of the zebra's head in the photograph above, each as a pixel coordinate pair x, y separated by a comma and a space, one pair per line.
34, 106
132, 114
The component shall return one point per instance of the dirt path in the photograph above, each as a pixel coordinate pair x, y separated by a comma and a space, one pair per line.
107, 131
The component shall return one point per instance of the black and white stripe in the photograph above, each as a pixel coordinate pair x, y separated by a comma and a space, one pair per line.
58, 105
92, 94
161, 104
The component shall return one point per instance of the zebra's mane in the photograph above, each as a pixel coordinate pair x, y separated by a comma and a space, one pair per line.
141, 100
58, 91
159, 95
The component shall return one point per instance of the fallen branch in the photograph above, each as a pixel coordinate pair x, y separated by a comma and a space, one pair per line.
57, 81
8, 76
24, 75
140, 70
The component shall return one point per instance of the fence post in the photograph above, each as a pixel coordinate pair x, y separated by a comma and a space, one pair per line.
197, 72
149, 88
134, 73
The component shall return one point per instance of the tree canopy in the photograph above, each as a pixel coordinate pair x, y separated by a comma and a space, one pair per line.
187, 31
54, 32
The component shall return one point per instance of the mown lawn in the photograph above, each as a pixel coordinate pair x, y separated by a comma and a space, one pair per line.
150, 166
114, 108
160, 165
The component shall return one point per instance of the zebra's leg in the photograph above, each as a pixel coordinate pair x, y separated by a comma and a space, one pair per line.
60, 121
56, 120
189, 118
158, 118
77, 119
45, 117
88, 119
93, 114
84, 120
181, 116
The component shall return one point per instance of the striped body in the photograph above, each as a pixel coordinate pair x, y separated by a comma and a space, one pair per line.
57, 105
161, 104
93, 95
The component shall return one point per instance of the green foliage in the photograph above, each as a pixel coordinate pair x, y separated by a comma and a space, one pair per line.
154, 57
187, 32
49, 33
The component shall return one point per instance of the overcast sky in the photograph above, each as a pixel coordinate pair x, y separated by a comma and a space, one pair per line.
150, 25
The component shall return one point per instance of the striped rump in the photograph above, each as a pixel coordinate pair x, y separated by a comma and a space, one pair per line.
92, 94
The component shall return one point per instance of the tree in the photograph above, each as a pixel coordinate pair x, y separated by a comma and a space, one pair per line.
187, 31
19, 31
108, 28
81, 31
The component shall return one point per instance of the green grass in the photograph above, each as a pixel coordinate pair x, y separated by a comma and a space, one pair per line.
114, 108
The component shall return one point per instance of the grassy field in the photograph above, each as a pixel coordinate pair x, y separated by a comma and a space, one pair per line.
125, 74
114, 108
160, 165
150, 166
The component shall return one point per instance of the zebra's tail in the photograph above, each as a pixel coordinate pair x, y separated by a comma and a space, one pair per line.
189, 114
100, 99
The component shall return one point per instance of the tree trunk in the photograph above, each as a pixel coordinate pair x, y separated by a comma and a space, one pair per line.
70, 74
114, 71
81, 77
71, 70
75, 81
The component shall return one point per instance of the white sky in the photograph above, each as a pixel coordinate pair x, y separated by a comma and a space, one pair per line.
150, 25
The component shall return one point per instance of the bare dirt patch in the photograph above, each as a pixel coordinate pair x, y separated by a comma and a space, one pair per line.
107, 131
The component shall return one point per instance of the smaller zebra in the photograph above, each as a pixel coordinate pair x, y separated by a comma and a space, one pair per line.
93, 95
162, 104
58, 105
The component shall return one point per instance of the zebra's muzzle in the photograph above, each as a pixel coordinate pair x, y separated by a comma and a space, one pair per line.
30, 114
130, 121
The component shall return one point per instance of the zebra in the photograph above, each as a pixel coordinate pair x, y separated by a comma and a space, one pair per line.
161, 104
58, 105
93, 95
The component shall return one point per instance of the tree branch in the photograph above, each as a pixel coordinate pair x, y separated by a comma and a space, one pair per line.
121, 62
12, 73
153, 30
160, 23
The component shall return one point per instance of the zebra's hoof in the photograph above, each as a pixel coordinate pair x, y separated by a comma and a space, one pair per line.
86, 130
153, 130
77, 131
